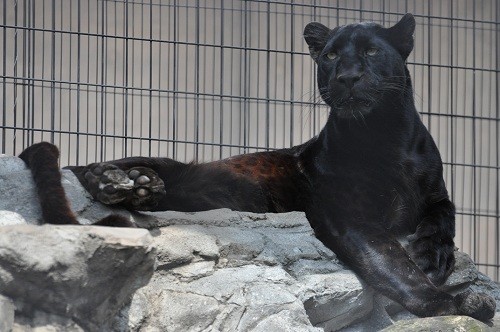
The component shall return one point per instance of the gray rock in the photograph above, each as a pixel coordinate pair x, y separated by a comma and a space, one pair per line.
6, 314
307, 266
284, 321
226, 217
11, 218
9, 164
495, 322
244, 298
40, 321
18, 194
217, 270
178, 311
483, 284
376, 321
464, 273
85, 273
441, 324
336, 300
180, 244
212, 258
237, 245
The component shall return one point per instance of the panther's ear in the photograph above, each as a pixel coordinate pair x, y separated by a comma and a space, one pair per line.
401, 35
316, 36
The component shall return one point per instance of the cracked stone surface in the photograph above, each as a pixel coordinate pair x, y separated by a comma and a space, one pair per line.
217, 270
86, 273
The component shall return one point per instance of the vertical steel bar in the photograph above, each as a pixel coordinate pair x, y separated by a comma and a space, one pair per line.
78, 78
197, 81
53, 74
87, 111
4, 74
125, 93
474, 169
292, 71
221, 83
33, 53
245, 77
429, 67
268, 74
175, 83
497, 115
103, 81
150, 124
25, 74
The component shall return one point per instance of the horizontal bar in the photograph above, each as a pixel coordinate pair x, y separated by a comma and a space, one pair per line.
241, 48
284, 3
57, 131
128, 137
205, 94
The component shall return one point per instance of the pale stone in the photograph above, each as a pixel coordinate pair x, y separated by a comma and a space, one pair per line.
85, 273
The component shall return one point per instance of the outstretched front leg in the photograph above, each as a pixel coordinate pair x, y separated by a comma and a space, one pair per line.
363, 242
432, 247
385, 265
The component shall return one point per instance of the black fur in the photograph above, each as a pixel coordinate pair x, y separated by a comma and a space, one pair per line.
372, 175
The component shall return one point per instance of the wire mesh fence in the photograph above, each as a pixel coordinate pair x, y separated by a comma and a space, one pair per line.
203, 80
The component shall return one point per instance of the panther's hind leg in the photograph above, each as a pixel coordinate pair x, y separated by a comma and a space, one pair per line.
139, 188
431, 246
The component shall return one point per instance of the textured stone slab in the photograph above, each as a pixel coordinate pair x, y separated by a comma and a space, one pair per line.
39, 321
217, 270
6, 314
229, 299
335, 300
10, 164
86, 273
8, 218
226, 217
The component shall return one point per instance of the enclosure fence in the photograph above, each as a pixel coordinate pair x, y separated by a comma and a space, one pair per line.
203, 80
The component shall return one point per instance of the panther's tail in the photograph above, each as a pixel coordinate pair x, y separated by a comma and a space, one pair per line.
42, 159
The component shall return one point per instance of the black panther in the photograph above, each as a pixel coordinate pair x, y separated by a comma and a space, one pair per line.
372, 176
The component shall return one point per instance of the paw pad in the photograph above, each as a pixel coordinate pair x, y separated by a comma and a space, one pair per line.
142, 180
140, 186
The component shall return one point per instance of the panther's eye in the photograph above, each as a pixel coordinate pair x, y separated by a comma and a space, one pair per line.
331, 55
371, 51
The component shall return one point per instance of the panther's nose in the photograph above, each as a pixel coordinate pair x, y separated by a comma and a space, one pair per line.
349, 78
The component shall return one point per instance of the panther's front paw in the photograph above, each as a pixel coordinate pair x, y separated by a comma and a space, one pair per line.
138, 187
476, 305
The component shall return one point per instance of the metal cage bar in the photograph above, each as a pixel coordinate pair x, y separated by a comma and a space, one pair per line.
203, 80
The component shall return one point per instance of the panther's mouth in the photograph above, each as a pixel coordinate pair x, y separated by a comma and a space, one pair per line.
353, 102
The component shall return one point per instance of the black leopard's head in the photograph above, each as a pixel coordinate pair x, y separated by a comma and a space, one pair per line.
360, 66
